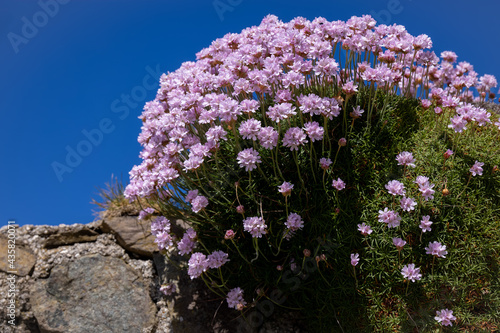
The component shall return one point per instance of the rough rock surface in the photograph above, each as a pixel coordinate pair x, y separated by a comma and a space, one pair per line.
80, 278
24, 257
132, 234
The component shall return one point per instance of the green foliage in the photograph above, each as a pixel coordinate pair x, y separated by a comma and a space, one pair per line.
325, 289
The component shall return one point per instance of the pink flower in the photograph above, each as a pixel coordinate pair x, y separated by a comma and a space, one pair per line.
448, 153
407, 204
294, 222
229, 234
405, 158
399, 243
235, 298
199, 203
425, 224
436, 249
357, 112
217, 259
325, 163
349, 88
354, 259
164, 240
338, 184
444, 317
342, 142
248, 158
268, 137
250, 128
364, 229
395, 188
281, 111
188, 242
390, 217
240, 209
476, 169
314, 131
294, 137
197, 264
285, 188
411, 272
255, 226
191, 195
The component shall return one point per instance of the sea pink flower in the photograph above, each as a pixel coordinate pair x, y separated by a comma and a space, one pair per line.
197, 264
354, 259
285, 188
395, 188
188, 242
407, 204
164, 240
294, 137
411, 272
325, 163
342, 142
448, 153
364, 229
425, 224
256, 226
390, 217
217, 259
248, 158
399, 243
268, 137
235, 298
314, 131
250, 128
436, 249
350, 88
406, 158
294, 222
199, 203
357, 112
146, 212
159, 225
444, 317
476, 169
338, 184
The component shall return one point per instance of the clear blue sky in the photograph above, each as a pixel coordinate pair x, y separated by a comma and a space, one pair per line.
77, 69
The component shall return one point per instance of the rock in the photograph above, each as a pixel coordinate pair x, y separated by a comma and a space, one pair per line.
92, 294
25, 258
78, 235
132, 234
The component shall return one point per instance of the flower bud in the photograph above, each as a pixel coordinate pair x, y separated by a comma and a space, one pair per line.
240, 209
307, 253
446, 191
279, 268
229, 234
342, 142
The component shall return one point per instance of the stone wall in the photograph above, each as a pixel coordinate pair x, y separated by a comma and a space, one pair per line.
105, 277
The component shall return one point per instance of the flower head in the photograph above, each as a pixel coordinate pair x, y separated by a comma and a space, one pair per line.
390, 217
256, 226
448, 153
436, 249
407, 204
364, 229
217, 259
395, 188
325, 163
354, 259
285, 188
198, 264
411, 272
294, 222
399, 243
235, 298
405, 158
248, 159
229, 234
425, 224
338, 184
444, 317
476, 169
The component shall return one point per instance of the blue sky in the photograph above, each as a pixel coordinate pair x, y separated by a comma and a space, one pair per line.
76, 74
